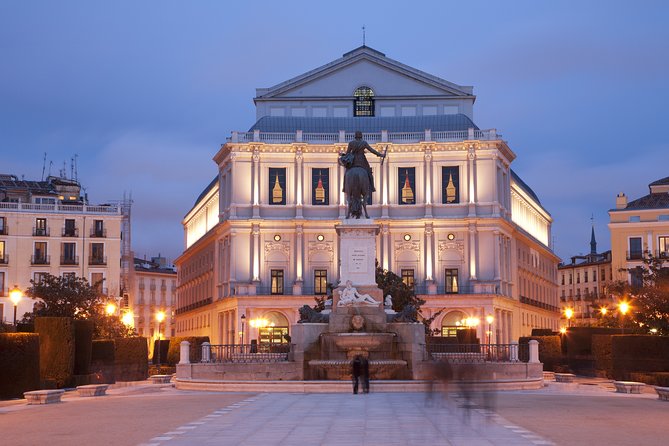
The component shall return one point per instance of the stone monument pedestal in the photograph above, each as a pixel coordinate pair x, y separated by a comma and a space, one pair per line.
357, 248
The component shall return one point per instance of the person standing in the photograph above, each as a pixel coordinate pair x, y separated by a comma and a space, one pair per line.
365, 375
356, 371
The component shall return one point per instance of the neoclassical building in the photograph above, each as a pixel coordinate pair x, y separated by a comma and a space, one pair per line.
455, 221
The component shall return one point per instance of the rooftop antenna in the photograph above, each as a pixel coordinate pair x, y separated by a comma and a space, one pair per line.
76, 173
363, 35
72, 168
50, 164
43, 166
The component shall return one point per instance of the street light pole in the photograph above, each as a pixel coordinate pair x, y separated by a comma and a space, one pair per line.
243, 318
15, 296
160, 316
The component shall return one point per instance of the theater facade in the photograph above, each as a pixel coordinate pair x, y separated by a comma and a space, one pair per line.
456, 222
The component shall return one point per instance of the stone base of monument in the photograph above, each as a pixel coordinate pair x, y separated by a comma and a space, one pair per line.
341, 319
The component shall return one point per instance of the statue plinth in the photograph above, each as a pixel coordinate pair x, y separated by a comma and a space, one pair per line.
357, 248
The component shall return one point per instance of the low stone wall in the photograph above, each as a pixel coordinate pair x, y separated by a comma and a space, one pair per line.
267, 371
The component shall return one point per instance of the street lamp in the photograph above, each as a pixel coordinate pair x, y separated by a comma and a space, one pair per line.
603, 311
623, 308
110, 308
489, 319
15, 296
241, 333
568, 313
160, 317
128, 318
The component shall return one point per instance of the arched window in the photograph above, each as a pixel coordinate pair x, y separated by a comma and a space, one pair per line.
363, 104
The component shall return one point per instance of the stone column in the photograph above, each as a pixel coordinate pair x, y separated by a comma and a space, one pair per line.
472, 180
184, 352
429, 183
473, 252
206, 352
255, 231
497, 260
513, 351
255, 182
534, 352
299, 187
299, 260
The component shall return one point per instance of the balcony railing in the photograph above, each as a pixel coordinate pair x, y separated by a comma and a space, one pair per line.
246, 353
634, 255
60, 208
4, 260
375, 137
662, 254
40, 232
69, 260
70, 232
466, 289
4, 231
40, 260
98, 233
478, 353
538, 304
97, 260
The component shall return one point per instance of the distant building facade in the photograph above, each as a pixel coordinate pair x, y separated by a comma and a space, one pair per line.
638, 228
455, 221
49, 227
154, 290
584, 284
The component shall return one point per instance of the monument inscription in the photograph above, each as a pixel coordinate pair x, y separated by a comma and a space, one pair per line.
358, 258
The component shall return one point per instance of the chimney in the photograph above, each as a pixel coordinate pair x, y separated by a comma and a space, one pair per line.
621, 201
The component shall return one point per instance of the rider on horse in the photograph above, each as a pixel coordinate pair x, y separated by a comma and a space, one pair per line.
357, 149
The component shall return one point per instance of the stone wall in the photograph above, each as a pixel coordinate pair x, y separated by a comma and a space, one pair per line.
267, 371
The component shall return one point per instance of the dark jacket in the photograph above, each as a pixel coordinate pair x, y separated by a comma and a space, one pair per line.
357, 147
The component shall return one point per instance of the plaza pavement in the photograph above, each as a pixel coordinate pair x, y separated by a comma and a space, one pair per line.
563, 414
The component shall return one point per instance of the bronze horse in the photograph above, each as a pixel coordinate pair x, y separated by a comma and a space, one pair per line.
356, 188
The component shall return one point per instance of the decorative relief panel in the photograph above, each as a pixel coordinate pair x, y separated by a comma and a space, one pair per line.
402, 245
283, 247
448, 247
321, 247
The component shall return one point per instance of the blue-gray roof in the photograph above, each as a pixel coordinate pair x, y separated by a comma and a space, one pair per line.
438, 123
523, 185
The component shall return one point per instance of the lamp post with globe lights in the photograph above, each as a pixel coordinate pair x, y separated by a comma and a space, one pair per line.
568, 313
15, 296
623, 308
160, 317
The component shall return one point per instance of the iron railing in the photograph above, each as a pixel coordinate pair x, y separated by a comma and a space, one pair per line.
70, 232
69, 260
4, 259
244, 353
40, 259
476, 353
98, 233
40, 232
97, 260
462, 289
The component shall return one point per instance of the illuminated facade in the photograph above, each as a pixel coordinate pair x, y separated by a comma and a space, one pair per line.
456, 222
639, 228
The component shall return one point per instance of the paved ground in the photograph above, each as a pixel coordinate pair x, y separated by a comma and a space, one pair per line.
562, 414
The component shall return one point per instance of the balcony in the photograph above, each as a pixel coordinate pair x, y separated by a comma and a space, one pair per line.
40, 232
538, 304
634, 255
70, 232
98, 233
69, 260
97, 260
60, 208
4, 231
40, 260
4, 260
662, 254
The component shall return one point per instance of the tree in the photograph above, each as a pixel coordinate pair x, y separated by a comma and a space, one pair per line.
402, 294
649, 295
74, 297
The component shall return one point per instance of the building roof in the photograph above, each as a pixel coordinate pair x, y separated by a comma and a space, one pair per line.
204, 193
437, 123
523, 185
662, 182
650, 201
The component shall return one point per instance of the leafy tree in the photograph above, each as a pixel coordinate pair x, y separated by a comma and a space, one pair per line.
74, 297
402, 294
649, 300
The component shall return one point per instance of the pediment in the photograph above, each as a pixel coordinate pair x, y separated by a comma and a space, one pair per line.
368, 67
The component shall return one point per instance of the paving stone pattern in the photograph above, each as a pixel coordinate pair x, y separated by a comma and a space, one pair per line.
344, 419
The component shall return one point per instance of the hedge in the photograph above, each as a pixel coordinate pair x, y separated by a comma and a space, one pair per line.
131, 361
195, 348
102, 360
467, 336
550, 350
161, 348
83, 345
601, 352
19, 364
654, 379
56, 350
639, 353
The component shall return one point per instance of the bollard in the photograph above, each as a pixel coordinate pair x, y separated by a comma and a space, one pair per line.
184, 352
513, 351
206, 352
534, 351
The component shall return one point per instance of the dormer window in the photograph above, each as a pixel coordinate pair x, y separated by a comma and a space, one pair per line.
363, 104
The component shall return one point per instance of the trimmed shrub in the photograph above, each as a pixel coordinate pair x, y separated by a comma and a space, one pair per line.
19, 364
102, 360
578, 340
467, 336
601, 352
131, 359
542, 332
56, 350
550, 350
83, 346
161, 348
195, 348
639, 353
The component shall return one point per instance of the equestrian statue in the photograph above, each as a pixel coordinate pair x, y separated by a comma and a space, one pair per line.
358, 180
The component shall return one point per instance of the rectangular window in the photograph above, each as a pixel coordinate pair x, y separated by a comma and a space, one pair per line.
39, 277
603, 274
68, 254
406, 182
40, 256
96, 281
562, 279
450, 184
2, 256
98, 229
636, 276
69, 230
663, 246
408, 277
585, 276
3, 226
40, 227
452, 286
277, 281
570, 279
320, 187
636, 250
321, 282
594, 275
2, 285
578, 277
277, 186
69, 276
97, 254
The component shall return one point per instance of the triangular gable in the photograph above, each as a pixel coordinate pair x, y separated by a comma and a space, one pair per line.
372, 56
